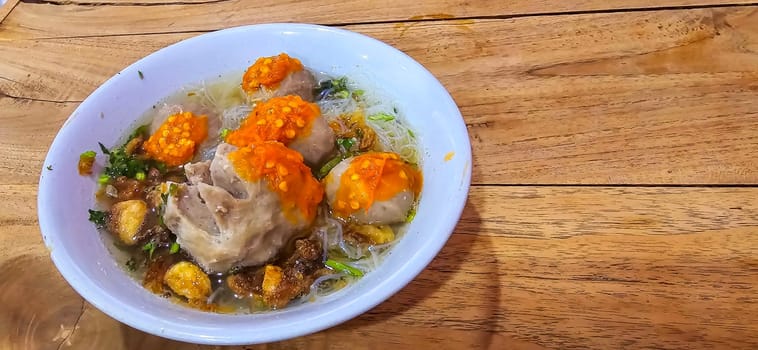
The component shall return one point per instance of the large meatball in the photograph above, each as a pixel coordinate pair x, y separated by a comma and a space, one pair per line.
255, 200
373, 188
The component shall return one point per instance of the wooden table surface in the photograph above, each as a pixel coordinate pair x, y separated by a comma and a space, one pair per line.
614, 199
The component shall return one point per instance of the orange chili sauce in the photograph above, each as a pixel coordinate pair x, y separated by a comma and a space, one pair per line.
176, 140
285, 173
279, 119
269, 72
375, 176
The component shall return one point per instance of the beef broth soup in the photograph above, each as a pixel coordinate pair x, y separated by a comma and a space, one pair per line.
259, 191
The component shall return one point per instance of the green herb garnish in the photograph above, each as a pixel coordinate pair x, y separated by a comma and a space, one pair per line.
336, 265
174, 248
411, 215
328, 166
141, 131
87, 155
140, 176
98, 217
131, 265
346, 144
336, 88
150, 248
49, 167
122, 164
382, 116
141, 76
224, 133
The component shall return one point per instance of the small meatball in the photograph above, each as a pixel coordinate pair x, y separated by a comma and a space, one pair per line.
126, 220
188, 280
300, 83
373, 188
290, 120
269, 72
316, 146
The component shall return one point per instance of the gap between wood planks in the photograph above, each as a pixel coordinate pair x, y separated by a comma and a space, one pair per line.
8, 8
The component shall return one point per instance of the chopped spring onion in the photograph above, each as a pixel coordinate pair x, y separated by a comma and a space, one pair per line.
174, 248
336, 265
411, 215
346, 143
140, 176
326, 168
382, 116
103, 179
150, 248
224, 132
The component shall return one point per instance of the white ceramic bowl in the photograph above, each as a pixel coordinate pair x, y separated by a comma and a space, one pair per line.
64, 196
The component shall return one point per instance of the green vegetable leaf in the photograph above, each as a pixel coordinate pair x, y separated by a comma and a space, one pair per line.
346, 144
382, 117
328, 166
131, 265
173, 189
174, 248
411, 215
103, 179
98, 217
129, 165
334, 88
150, 248
104, 149
141, 131
336, 265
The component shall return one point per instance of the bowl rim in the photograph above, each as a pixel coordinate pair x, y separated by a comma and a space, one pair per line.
410, 270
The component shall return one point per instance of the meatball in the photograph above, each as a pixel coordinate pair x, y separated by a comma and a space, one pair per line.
291, 121
373, 188
259, 197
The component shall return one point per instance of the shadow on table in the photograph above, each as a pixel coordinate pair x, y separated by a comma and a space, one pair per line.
458, 293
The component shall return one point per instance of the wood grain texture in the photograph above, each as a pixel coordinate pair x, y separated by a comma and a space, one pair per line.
6, 8
64, 18
527, 268
608, 98
660, 97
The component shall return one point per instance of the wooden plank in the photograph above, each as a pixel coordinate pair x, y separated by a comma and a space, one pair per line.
6, 8
528, 268
28, 129
663, 97
57, 18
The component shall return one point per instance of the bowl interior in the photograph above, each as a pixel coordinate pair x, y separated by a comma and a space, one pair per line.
113, 109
